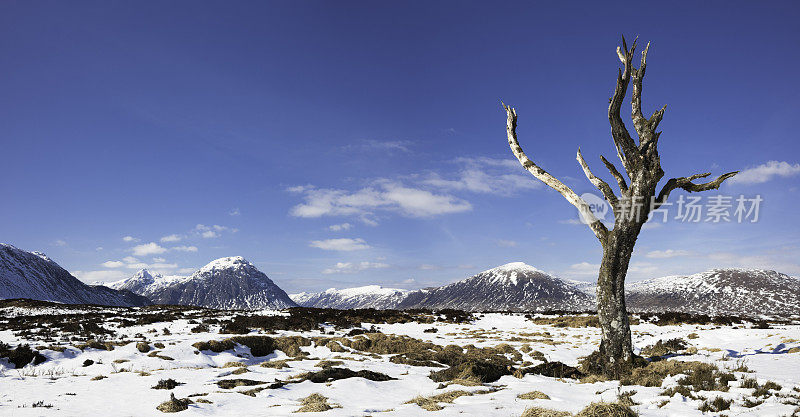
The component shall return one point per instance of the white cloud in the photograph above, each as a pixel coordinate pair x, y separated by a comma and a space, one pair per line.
113, 264
151, 248
765, 172
159, 260
343, 244
385, 195
129, 260
100, 276
186, 270
340, 227
352, 267
99, 248
429, 267
584, 268
184, 248
209, 234
130, 239
171, 238
506, 243
60, 242
668, 253
234, 212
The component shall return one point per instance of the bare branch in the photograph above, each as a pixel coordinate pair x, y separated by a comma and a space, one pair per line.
601, 185
687, 184
596, 225
627, 150
639, 122
623, 186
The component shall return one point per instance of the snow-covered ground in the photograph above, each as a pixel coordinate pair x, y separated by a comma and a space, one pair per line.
72, 389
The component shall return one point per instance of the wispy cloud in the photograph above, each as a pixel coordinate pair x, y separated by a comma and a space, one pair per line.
130, 239
184, 248
342, 244
506, 243
382, 145
210, 232
667, 253
234, 212
765, 172
113, 264
353, 267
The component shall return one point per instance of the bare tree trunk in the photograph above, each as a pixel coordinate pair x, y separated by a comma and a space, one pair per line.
616, 349
642, 164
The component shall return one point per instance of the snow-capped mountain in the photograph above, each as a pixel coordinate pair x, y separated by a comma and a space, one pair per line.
514, 287
733, 291
33, 275
226, 283
371, 296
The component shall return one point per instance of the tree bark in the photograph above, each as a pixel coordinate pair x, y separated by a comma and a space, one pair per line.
616, 348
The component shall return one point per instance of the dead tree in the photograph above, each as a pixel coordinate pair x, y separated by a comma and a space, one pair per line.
636, 200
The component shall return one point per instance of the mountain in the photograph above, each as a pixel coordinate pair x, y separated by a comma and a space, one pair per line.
33, 275
732, 291
515, 287
371, 296
226, 283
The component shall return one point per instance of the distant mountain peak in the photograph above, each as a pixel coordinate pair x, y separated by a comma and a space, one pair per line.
229, 262
514, 267
229, 283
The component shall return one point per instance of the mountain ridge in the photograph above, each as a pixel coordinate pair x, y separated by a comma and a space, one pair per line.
35, 276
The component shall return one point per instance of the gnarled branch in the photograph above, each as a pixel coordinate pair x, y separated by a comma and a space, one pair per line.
596, 225
623, 186
601, 185
687, 184
627, 150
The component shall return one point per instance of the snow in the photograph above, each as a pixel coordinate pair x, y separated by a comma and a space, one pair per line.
67, 385
224, 263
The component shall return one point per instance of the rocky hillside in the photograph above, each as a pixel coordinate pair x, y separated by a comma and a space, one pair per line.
733, 291
371, 296
33, 275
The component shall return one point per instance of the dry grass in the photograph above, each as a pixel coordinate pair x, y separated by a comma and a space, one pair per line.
173, 405
276, 364
568, 321
544, 412
654, 373
533, 395
603, 409
328, 363
234, 365
315, 403
431, 403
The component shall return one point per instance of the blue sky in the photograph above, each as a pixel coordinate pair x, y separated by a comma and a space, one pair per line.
351, 143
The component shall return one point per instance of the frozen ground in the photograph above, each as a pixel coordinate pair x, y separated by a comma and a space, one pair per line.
118, 382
